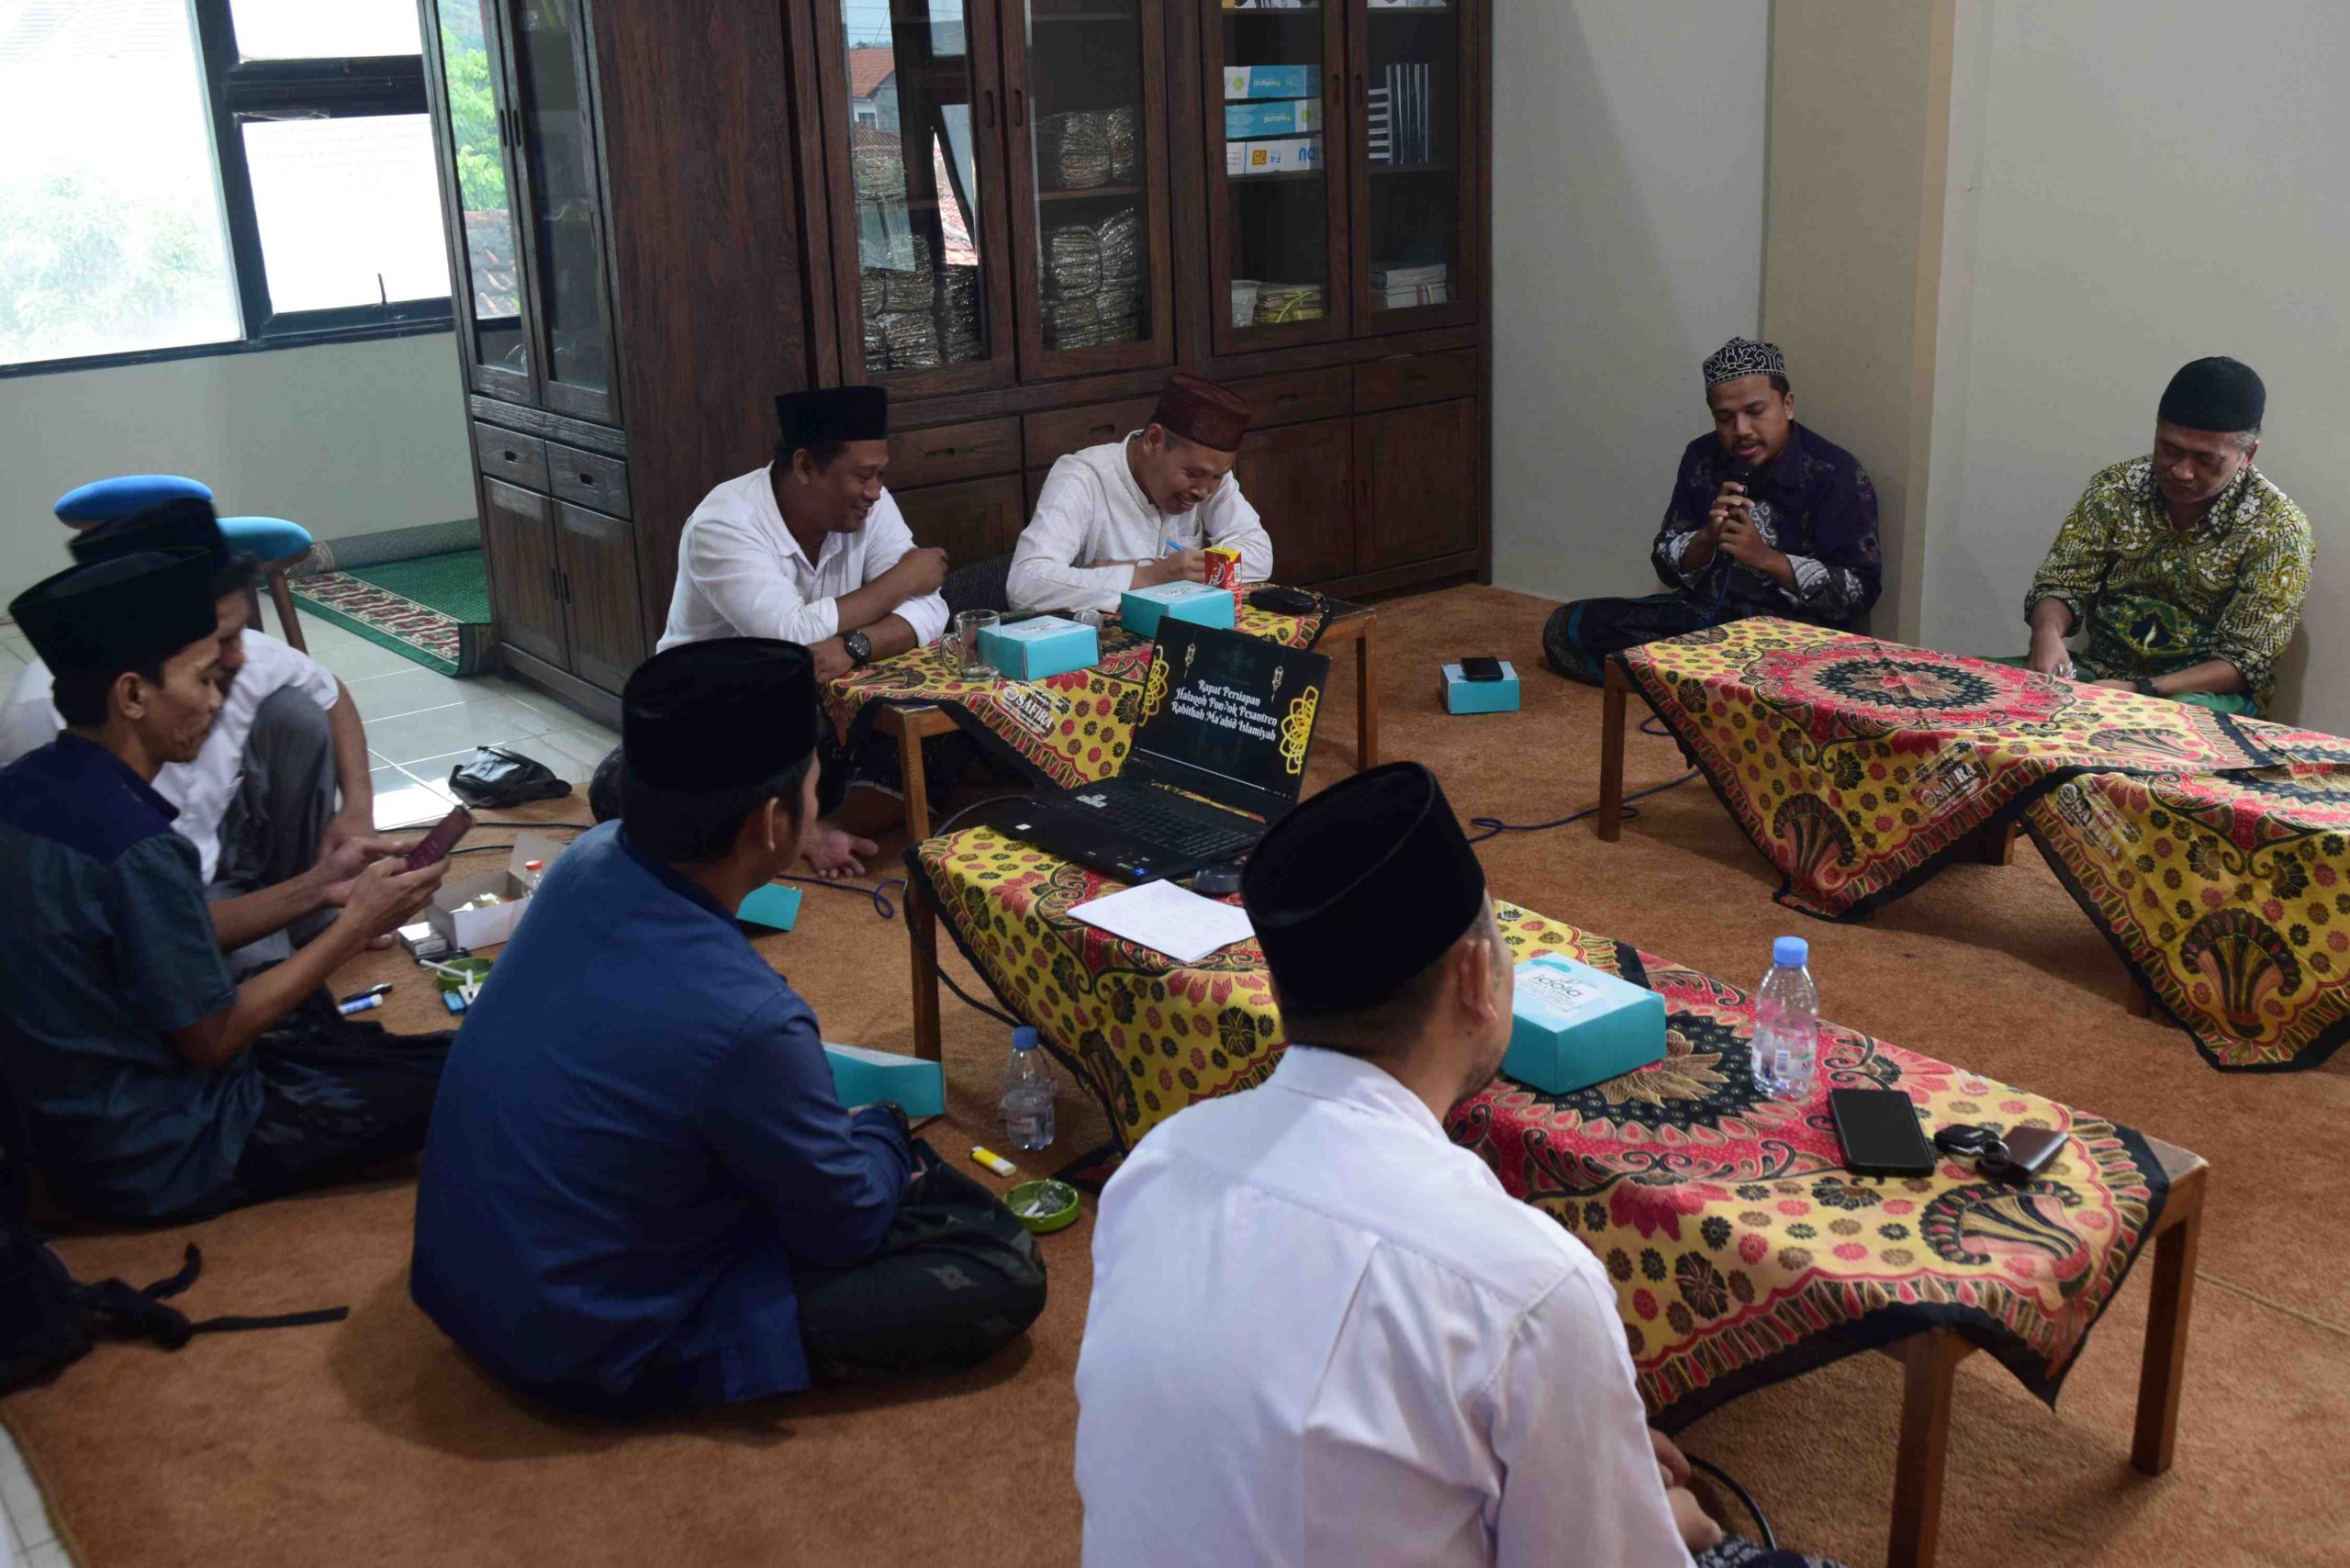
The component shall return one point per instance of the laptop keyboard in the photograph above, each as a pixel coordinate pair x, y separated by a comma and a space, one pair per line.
1176, 825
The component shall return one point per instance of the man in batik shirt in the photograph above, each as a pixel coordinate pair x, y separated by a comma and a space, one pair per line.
2188, 567
1767, 517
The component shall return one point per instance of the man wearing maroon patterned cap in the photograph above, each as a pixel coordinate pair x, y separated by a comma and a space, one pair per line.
1107, 515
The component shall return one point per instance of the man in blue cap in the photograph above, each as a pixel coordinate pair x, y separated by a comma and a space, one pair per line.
153, 1084
641, 1192
2187, 568
282, 780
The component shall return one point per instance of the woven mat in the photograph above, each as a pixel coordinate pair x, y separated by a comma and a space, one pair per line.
433, 608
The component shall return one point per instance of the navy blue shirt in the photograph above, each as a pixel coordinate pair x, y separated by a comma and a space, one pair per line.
1816, 505
636, 1137
109, 947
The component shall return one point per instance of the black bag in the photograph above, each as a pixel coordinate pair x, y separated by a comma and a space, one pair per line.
48, 1319
496, 777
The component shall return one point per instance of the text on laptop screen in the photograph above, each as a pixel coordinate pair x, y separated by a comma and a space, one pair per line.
1233, 706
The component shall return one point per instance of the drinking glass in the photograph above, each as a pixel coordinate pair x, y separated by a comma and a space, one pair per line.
962, 644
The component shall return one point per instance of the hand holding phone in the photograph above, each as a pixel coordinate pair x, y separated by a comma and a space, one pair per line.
440, 840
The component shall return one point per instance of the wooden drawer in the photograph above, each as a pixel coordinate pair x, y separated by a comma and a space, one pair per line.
946, 452
1295, 398
590, 479
515, 458
1063, 430
1416, 378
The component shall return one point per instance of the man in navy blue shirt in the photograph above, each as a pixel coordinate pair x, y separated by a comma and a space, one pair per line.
641, 1191
1767, 517
153, 1085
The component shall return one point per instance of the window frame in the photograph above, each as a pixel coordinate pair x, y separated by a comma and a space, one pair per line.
236, 89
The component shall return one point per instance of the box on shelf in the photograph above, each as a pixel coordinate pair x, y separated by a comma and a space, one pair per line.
1462, 694
1272, 81
1040, 647
1141, 610
457, 913
1573, 1026
1272, 116
861, 1076
1287, 155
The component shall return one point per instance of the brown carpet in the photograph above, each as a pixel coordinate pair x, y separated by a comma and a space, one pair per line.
374, 1441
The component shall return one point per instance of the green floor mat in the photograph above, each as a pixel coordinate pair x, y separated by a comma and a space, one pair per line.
434, 609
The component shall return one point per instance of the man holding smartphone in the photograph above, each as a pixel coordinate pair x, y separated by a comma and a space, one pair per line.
1767, 517
152, 1084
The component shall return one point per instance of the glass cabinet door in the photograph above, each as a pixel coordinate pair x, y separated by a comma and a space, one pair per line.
1089, 172
565, 206
913, 145
1415, 163
487, 296
1277, 211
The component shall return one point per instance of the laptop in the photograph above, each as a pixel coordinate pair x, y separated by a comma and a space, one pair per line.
1227, 719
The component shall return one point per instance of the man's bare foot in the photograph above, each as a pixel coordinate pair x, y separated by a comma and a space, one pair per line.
834, 852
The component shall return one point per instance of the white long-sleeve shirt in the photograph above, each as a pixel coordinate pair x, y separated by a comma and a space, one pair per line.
202, 788
741, 574
1091, 510
1322, 1336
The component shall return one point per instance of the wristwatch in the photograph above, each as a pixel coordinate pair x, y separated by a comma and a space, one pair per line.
2144, 686
859, 646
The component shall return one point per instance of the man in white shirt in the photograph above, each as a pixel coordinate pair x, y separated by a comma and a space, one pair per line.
259, 801
811, 549
1137, 513
1446, 1381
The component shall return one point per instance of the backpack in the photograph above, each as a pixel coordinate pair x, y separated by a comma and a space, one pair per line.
48, 1319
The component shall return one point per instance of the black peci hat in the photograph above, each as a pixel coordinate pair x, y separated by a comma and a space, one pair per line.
1360, 888
832, 414
719, 715
108, 616
2216, 394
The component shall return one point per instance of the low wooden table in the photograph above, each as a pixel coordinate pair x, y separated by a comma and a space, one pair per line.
1930, 1358
911, 725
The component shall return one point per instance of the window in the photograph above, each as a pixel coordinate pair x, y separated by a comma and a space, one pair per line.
199, 176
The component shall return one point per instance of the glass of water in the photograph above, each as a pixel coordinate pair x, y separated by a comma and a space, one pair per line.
961, 644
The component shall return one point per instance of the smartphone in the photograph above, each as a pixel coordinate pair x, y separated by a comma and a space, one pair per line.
1481, 669
1880, 1133
440, 840
2029, 1151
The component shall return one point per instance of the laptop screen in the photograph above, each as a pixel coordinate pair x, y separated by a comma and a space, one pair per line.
1228, 716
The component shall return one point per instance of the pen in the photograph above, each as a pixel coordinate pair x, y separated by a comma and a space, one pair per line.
361, 1004
362, 995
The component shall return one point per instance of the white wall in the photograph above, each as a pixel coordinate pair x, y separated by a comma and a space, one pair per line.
1627, 244
2155, 184
353, 438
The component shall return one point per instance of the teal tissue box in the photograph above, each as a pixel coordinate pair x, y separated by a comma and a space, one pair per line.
1573, 1026
1040, 647
774, 906
1141, 610
1462, 694
861, 1076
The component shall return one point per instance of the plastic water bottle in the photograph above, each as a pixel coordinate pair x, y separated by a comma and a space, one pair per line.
1027, 1094
1787, 1023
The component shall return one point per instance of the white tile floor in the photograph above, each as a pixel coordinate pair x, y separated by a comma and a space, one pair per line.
419, 725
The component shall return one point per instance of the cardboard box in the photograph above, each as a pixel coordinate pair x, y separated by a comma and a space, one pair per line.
477, 928
1462, 694
861, 1076
1573, 1026
1272, 81
1141, 610
1272, 116
1040, 647
1243, 159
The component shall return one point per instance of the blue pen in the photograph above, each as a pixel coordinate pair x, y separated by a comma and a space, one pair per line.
361, 1004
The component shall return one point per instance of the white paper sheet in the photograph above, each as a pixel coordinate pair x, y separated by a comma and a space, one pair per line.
1168, 918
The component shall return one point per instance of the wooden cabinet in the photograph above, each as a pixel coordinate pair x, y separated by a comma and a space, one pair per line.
1016, 215
518, 541
1301, 480
970, 521
1418, 483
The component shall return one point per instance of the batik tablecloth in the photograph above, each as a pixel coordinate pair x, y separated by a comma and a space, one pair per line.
1860, 768
1742, 1252
2227, 894
1066, 730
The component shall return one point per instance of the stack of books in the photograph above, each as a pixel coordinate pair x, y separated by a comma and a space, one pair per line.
1399, 288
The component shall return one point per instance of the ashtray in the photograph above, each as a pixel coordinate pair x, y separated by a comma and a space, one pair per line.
1044, 1207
